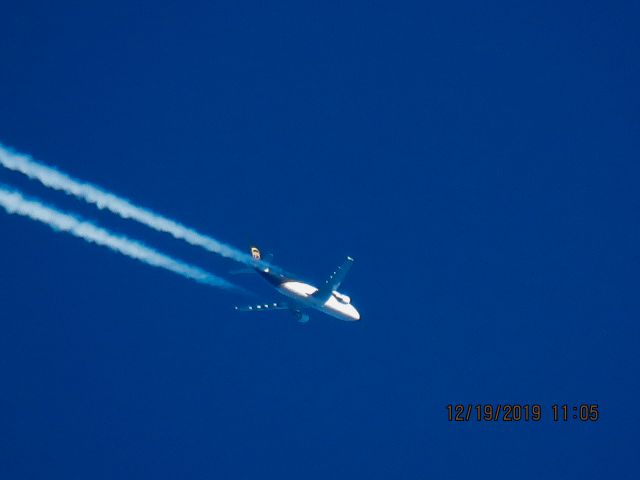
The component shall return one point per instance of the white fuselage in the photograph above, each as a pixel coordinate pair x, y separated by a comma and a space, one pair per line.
337, 306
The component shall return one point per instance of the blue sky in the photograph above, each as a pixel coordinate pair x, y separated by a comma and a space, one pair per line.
479, 161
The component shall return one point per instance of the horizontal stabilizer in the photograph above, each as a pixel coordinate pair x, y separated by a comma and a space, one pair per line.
241, 271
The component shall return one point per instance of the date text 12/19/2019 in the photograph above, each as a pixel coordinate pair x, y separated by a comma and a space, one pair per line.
525, 412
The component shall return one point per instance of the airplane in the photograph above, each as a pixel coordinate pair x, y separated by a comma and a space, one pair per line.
303, 296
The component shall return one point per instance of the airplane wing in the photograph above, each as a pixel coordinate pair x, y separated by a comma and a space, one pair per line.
263, 307
334, 281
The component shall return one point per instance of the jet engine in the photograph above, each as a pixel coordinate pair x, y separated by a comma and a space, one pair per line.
301, 317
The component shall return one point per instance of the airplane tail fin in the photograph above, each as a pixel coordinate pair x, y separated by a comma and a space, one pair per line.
257, 255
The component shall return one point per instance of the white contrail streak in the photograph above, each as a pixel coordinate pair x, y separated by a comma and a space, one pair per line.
13, 202
57, 180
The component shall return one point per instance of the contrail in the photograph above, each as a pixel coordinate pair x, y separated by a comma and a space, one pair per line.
14, 203
103, 199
